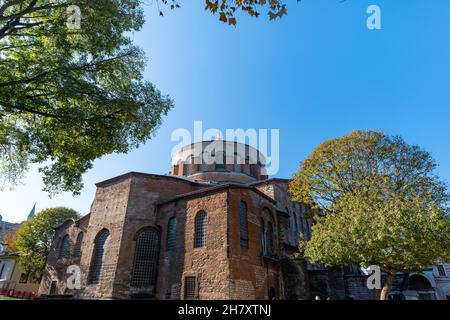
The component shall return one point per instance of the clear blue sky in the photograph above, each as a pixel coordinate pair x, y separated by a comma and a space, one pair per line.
316, 74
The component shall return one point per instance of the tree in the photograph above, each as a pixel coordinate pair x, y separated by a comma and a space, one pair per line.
69, 96
227, 9
9, 240
381, 201
33, 239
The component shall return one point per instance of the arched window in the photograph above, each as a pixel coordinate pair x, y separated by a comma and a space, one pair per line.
171, 234
290, 219
220, 160
302, 228
263, 238
237, 163
145, 259
205, 161
200, 229
243, 224
77, 248
270, 238
98, 256
64, 247
294, 216
308, 229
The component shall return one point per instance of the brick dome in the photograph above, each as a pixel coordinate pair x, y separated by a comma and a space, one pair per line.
219, 161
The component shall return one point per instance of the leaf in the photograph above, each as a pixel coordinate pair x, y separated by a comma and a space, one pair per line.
223, 17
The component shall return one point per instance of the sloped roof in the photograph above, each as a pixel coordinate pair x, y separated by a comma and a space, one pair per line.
216, 188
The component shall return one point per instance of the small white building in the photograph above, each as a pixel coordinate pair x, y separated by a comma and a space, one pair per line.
431, 284
441, 275
11, 277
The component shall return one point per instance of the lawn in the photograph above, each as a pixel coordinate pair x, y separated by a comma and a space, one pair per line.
8, 298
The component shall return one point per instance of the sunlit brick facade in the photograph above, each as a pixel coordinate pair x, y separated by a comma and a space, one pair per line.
141, 238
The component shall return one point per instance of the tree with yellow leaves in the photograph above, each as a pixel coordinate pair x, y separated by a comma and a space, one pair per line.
382, 201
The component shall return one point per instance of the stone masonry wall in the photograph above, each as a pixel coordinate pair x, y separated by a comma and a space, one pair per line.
145, 192
252, 275
208, 264
56, 268
108, 212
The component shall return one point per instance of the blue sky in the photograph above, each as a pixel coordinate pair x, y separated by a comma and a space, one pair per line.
316, 74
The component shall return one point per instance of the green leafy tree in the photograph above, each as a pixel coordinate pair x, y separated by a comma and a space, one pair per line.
382, 204
33, 240
69, 96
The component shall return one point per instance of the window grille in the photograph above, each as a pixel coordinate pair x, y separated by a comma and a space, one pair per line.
200, 230
263, 238
77, 248
189, 287
243, 225
171, 234
441, 270
98, 257
295, 222
64, 248
146, 259
270, 238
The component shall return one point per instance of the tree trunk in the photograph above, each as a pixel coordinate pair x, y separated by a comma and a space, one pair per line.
387, 286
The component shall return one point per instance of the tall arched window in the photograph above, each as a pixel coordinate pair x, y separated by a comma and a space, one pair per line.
302, 226
200, 229
290, 224
243, 224
294, 215
171, 234
145, 259
64, 247
270, 247
263, 238
77, 248
308, 229
98, 256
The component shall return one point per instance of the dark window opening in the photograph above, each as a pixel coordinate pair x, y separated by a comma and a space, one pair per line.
269, 239
190, 288
263, 238
146, 259
23, 278
98, 256
295, 222
200, 230
64, 248
53, 288
272, 294
171, 234
77, 248
243, 224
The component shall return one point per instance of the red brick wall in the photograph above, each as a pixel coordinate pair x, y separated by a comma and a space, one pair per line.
56, 268
208, 264
251, 274
145, 192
